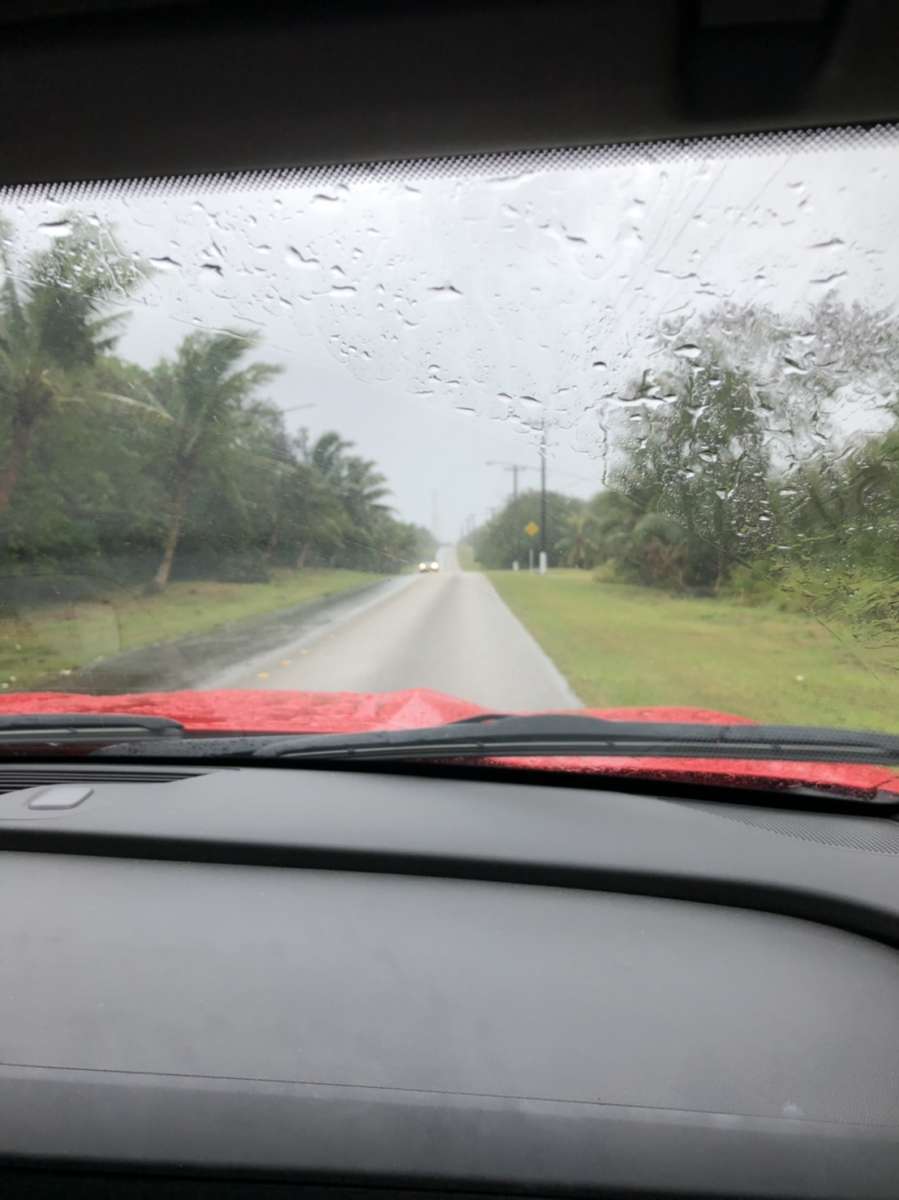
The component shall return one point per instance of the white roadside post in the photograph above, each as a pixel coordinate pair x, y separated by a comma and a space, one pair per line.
542, 567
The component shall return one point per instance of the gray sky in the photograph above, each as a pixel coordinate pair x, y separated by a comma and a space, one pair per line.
437, 321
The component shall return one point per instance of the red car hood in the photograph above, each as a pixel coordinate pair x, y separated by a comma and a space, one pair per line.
358, 712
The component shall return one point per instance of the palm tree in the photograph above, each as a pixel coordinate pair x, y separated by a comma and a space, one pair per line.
312, 514
363, 488
358, 488
54, 325
579, 543
615, 515
205, 393
327, 455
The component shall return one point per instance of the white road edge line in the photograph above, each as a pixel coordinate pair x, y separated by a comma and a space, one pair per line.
559, 679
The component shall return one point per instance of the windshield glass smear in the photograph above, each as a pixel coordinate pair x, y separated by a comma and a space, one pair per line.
614, 430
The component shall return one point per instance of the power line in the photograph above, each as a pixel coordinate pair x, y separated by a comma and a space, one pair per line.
514, 468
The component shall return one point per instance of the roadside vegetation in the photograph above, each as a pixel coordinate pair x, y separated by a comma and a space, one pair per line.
632, 646
120, 482
46, 644
756, 464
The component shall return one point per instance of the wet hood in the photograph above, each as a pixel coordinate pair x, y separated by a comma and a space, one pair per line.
358, 712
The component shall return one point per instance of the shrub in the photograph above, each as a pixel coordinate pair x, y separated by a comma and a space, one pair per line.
657, 553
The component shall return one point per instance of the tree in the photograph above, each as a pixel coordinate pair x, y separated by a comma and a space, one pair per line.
702, 460
614, 518
503, 539
55, 322
206, 394
579, 544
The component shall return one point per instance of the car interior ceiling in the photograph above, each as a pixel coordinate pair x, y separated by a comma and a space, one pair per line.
202, 86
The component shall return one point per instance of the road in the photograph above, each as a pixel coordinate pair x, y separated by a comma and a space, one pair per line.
448, 631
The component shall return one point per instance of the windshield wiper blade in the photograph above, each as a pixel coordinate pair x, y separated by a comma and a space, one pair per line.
575, 736
84, 727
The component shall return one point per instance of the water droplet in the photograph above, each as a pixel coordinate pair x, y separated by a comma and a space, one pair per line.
445, 291
296, 260
827, 280
687, 350
56, 229
792, 367
164, 263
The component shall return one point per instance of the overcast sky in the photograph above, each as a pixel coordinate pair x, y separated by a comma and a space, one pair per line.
436, 321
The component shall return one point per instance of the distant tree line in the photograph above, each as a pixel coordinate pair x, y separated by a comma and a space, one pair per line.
112, 471
746, 456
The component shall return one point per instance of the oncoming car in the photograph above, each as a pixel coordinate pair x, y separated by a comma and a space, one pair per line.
425, 567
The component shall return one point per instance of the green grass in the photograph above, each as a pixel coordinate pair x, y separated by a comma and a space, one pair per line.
621, 646
56, 639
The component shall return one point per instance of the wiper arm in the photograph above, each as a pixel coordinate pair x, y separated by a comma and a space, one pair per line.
84, 727
558, 736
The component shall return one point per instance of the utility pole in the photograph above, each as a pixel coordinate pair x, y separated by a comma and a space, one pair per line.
514, 468
543, 540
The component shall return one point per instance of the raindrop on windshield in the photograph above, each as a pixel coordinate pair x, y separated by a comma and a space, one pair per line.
298, 261
56, 229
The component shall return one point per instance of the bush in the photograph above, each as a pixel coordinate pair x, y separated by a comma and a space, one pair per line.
608, 572
243, 568
657, 554
759, 582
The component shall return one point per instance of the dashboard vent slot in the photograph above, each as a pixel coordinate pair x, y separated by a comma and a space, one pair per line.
13, 779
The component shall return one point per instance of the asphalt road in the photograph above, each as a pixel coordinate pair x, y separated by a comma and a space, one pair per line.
448, 631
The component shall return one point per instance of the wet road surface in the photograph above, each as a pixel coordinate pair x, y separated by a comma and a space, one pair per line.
448, 631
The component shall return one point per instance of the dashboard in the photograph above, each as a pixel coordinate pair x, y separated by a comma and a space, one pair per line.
332, 978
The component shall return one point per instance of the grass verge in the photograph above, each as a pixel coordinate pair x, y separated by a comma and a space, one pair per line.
622, 645
54, 640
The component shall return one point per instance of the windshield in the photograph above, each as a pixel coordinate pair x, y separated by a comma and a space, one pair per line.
382, 446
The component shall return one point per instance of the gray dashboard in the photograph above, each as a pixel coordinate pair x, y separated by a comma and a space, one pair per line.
364, 1008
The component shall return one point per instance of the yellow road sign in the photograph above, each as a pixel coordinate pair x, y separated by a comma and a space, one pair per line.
532, 529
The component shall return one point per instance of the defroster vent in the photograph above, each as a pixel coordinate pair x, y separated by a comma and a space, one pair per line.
14, 778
